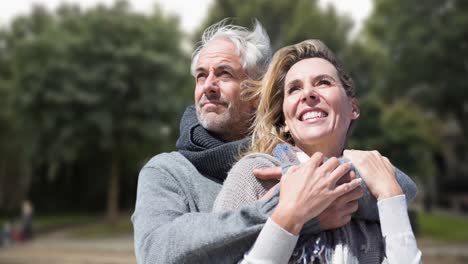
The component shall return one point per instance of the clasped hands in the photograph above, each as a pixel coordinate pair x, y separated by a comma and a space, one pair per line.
327, 189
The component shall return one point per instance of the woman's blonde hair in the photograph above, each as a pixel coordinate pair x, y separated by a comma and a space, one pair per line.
268, 128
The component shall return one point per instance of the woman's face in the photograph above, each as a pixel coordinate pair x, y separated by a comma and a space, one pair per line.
316, 108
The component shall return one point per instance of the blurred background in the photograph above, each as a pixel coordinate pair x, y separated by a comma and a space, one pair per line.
91, 90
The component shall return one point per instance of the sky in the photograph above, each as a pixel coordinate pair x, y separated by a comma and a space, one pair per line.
190, 12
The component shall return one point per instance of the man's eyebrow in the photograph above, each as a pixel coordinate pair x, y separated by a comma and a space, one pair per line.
225, 67
199, 69
217, 68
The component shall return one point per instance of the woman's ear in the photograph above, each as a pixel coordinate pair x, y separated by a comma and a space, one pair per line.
355, 110
286, 128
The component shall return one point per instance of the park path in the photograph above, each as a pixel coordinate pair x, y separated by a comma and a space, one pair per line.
58, 248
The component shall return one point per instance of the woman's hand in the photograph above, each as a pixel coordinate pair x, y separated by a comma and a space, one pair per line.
308, 189
376, 171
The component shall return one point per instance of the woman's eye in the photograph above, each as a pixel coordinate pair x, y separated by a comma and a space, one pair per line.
323, 82
293, 89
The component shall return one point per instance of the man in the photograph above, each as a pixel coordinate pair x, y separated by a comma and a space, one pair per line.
173, 222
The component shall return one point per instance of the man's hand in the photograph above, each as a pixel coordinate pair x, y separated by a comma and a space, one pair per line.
308, 189
339, 212
268, 174
272, 173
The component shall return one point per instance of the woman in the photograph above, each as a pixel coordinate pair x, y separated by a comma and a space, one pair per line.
306, 107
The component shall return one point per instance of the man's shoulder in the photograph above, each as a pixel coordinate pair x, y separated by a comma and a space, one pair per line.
170, 162
166, 159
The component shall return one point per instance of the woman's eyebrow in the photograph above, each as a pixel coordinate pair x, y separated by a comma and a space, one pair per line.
323, 76
293, 82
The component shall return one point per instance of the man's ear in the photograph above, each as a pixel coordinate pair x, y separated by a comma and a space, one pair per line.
355, 110
254, 103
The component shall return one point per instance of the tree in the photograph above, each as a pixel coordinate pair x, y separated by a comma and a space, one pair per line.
425, 46
99, 82
14, 152
286, 23
406, 137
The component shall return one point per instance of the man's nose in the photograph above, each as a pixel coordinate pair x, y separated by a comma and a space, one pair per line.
211, 87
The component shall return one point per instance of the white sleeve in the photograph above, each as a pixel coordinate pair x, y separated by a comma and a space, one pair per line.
400, 243
274, 245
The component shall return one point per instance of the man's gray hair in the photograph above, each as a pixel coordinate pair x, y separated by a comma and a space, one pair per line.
253, 46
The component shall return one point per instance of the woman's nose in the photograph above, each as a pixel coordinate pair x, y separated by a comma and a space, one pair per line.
309, 93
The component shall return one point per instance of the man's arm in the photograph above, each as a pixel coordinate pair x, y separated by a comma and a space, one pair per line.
333, 216
167, 232
275, 244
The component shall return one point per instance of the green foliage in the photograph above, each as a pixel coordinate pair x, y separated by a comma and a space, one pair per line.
425, 43
423, 46
286, 22
97, 83
93, 79
78, 88
402, 131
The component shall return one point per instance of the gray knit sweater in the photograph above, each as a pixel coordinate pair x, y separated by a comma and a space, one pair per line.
363, 237
241, 187
173, 222
173, 219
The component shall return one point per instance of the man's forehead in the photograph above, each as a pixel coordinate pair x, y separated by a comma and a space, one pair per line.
219, 52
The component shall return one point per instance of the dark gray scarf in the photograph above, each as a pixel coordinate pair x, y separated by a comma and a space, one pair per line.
211, 156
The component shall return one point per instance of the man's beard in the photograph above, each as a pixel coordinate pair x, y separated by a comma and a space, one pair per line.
230, 124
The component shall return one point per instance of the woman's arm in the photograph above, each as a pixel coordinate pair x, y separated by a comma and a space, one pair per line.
241, 188
306, 190
367, 204
400, 243
381, 178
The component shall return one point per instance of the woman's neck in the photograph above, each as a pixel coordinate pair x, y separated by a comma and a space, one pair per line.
328, 150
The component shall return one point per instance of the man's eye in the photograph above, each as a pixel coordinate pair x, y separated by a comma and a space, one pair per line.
226, 74
200, 77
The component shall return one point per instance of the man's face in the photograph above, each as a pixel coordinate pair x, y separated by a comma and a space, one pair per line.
218, 74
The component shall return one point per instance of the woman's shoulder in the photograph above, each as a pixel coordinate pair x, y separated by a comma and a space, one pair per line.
252, 161
241, 187
262, 158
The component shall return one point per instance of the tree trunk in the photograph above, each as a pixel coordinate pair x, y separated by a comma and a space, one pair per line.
113, 190
2, 182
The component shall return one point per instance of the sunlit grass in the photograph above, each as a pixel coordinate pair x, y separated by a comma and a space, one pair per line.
50, 222
63, 220
78, 225
104, 229
443, 227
